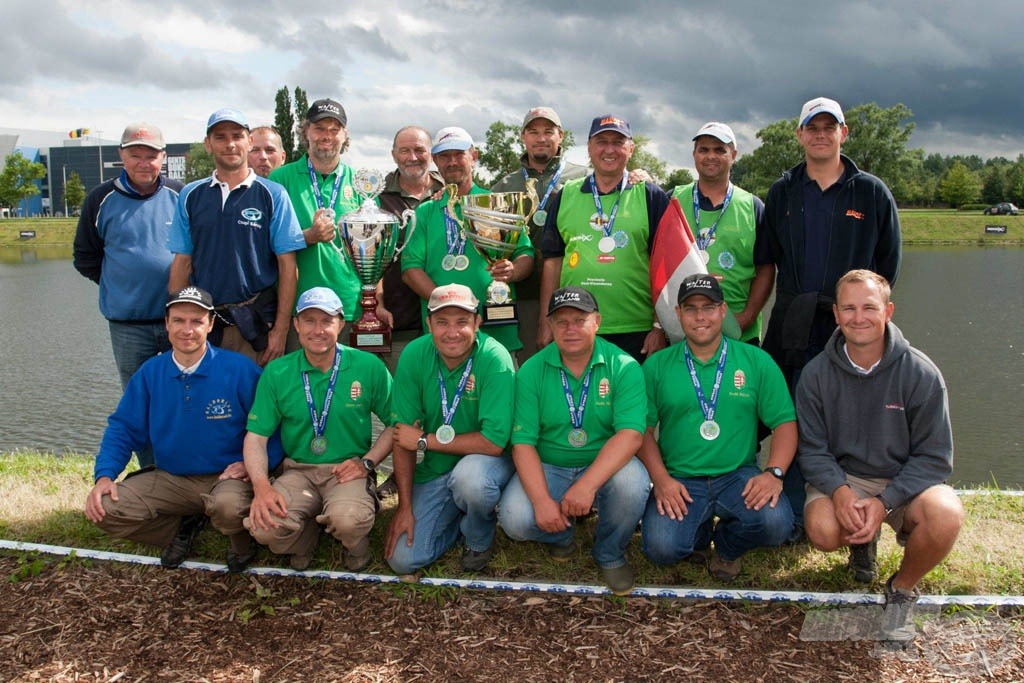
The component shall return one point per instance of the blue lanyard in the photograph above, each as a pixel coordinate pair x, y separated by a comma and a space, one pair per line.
576, 414
315, 182
707, 409
453, 233
704, 242
607, 227
320, 421
551, 185
448, 413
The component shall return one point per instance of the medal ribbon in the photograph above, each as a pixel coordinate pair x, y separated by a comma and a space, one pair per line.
453, 234
704, 242
707, 408
607, 227
448, 413
576, 414
320, 421
551, 185
315, 182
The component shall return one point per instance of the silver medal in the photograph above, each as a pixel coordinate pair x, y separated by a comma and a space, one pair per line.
445, 434
461, 262
710, 430
606, 245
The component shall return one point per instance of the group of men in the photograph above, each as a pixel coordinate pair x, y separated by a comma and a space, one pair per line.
604, 413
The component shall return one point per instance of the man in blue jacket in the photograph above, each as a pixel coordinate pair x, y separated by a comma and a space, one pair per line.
192, 404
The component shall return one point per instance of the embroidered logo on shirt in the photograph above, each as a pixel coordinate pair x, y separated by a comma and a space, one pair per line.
470, 384
218, 409
356, 390
855, 214
894, 406
739, 379
604, 387
251, 218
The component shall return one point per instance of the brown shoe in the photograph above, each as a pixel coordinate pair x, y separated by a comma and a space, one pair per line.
724, 570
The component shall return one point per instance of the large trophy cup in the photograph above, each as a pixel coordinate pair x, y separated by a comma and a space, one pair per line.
371, 240
493, 224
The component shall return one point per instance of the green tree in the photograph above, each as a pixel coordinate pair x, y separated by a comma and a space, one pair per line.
645, 159
284, 122
198, 162
301, 109
960, 185
779, 151
680, 176
878, 137
1014, 190
993, 187
501, 149
19, 180
74, 192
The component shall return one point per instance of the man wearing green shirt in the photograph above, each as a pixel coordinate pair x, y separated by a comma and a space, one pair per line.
452, 406
706, 395
321, 398
579, 421
320, 187
438, 252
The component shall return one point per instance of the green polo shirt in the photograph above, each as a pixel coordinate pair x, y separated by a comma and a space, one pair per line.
428, 246
363, 386
485, 406
615, 401
752, 388
322, 264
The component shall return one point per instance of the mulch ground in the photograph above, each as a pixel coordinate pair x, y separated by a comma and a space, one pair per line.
92, 621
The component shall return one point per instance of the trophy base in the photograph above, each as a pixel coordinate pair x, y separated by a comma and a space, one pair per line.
372, 341
500, 314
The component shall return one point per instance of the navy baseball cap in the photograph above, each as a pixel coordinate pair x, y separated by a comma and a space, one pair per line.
610, 122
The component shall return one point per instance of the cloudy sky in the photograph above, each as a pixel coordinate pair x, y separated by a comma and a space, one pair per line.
666, 65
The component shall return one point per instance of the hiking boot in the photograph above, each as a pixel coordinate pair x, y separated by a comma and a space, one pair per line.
359, 558
388, 488
300, 561
181, 545
864, 562
897, 625
562, 553
725, 571
796, 536
619, 579
476, 560
698, 557
241, 556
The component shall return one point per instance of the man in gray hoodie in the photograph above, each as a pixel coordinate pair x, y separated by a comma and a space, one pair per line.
876, 443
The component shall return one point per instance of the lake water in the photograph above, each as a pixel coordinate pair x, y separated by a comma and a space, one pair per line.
963, 307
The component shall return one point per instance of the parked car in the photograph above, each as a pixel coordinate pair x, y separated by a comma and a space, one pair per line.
1002, 209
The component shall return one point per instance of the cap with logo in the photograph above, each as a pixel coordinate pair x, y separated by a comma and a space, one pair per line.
707, 285
327, 108
458, 296
451, 138
609, 122
821, 105
717, 130
541, 113
321, 298
144, 134
572, 297
229, 115
191, 295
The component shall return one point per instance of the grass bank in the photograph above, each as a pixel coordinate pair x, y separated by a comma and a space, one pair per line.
42, 500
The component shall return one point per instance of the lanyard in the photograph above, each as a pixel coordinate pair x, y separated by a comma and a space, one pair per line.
551, 185
315, 182
320, 421
454, 235
576, 414
704, 242
448, 413
607, 227
708, 409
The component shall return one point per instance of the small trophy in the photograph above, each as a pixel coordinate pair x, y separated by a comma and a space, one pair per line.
372, 239
493, 224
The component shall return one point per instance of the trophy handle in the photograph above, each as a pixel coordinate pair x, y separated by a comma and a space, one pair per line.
408, 216
531, 194
453, 199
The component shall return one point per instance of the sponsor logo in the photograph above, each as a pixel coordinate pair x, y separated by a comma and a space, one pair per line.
252, 217
739, 379
356, 390
604, 387
894, 406
850, 213
218, 409
581, 238
574, 259
470, 383
606, 258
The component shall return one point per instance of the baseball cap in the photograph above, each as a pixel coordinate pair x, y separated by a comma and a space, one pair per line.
226, 114
609, 122
144, 134
191, 295
321, 298
717, 130
700, 284
820, 105
572, 297
459, 296
541, 113
451, 138
327, 108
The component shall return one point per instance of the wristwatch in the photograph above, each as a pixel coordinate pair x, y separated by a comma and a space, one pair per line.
371, 469
421, 443
775, 472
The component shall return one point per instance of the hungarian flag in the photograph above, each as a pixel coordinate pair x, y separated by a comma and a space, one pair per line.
673, 257
78, 133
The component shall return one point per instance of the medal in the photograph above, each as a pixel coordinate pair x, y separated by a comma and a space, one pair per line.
710, 430
540, 217
448, 262
621, 239
461, 262
706, 237
606, 245
318, 445
577, 438
498, 292
445, 434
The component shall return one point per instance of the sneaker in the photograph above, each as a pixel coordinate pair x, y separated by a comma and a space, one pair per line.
476, 560
358, 561
725, 571
241, 557
864, 562
619, 579
300, 561
796, 536
181, 545
897, 625
562, 553
388, 488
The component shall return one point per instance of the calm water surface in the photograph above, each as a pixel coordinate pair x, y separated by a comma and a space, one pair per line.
963, 307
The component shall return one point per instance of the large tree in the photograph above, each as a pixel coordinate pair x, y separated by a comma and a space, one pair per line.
779, 151
647, 160
198, 162
301, 109
680, 176
960, 185
74, 192
19, 180
501, 149
284, 121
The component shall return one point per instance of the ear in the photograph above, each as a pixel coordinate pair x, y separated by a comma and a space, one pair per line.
835, 313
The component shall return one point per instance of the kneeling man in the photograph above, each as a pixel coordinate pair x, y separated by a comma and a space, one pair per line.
707, 394
876, 444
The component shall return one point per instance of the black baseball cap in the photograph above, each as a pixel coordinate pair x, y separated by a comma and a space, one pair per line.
191, 295
572, 297
700, 284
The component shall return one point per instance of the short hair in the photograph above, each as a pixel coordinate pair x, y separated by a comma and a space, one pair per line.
418, 129
865, 276
305, 141
267, 129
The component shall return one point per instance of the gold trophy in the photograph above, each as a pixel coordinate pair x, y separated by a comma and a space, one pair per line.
493, 224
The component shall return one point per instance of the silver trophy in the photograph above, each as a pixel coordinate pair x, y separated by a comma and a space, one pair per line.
371, 240
493, 224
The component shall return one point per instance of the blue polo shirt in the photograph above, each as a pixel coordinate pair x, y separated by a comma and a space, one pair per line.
234, 236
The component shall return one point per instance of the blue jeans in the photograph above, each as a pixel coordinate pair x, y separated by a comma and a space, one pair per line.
739, 529
461, 502
133, 345
620, 504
